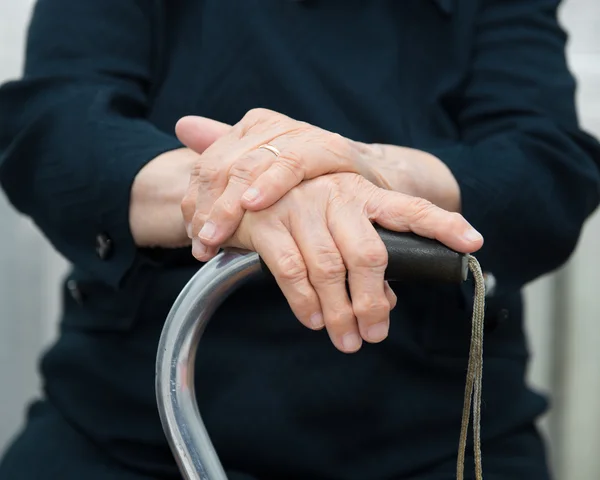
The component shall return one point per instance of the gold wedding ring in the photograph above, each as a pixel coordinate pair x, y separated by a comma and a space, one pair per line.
270, 148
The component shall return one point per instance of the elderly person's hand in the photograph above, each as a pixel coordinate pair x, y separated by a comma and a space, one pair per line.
258, 160
321, 232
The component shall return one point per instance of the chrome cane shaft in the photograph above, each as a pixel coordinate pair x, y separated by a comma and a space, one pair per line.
410, 258
189, 315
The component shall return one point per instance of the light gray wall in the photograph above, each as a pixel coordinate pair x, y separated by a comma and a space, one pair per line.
565, 344
564, 309
29, 269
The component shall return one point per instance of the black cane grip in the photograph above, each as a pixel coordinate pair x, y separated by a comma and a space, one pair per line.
415, 258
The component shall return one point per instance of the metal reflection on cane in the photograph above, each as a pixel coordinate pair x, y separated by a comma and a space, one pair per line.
189, 315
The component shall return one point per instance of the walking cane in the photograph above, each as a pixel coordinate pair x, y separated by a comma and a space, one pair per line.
410, 258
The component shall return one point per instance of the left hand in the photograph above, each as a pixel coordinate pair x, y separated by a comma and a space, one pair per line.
234, 175
329, 262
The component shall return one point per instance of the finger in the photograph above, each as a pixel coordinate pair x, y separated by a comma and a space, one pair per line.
225, 215
200, 250
205, 185
305, 152
284, 173
400, 212
199, 133
197, 203
227, 212
188, 203
366, 259
390, 295
210, 184
281, 254
194, 218
209, 179
327, 274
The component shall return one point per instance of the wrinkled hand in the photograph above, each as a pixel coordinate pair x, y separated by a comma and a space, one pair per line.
155, 218
234, 175
321, 232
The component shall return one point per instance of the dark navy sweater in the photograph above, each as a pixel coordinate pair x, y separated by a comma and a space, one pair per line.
481, 84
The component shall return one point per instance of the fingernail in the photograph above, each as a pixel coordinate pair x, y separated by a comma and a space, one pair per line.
377, 332
251, 194
351, 342
208, 230
188, 229
316, 320
198, 248
472, 235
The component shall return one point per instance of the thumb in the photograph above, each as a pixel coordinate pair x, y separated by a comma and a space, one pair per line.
199, 133
401, 213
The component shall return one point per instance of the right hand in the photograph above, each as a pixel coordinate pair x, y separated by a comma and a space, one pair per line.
321, 231
155, 218
235, 165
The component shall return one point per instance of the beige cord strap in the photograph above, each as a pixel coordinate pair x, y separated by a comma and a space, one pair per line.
474, 377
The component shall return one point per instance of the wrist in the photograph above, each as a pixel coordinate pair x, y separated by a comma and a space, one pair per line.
417, 173
155, 204
434, 180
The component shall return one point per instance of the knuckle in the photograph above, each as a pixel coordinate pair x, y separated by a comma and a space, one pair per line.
368, 306
242, 171
294, 163
340, 320
329, 268
455, 219
420, 209
373, 254
291, 268
188, 206
226, 210
196, 170
349, 186
206, 173
256, 116
339, 192
302, 299
337, 200
338, 144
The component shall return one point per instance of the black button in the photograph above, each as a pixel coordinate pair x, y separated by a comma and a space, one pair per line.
75, 291
104, 246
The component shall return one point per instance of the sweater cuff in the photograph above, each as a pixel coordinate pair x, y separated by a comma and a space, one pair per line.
478, 192
122, 157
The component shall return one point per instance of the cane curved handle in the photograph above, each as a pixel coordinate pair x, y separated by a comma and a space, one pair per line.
410, 258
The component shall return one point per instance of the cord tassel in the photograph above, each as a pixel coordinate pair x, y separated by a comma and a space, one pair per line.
474, 378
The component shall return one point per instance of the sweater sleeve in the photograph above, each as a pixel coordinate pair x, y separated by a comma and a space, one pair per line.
529, 177
73, 132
